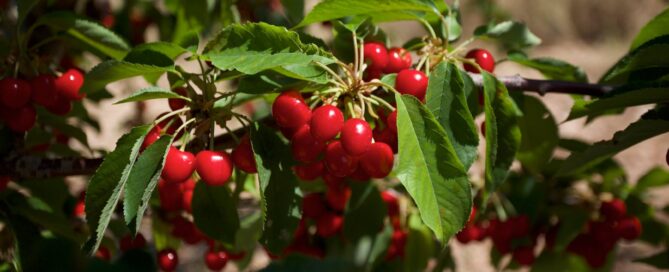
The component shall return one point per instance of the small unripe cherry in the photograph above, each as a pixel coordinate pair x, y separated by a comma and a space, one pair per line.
304, 146
179, 165
215, 259
398, 60
376, 56
313, 205
377, 162
290, 110
309, 172
483, 58
243, 156
15, 93
168, 260
338, 162
326, 122
69, 84
215, 168
356, 136
329, 224
176, 103
23, 119
412, 82
43, 92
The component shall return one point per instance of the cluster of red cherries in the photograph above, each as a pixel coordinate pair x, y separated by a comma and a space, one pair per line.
381, 60
18, 97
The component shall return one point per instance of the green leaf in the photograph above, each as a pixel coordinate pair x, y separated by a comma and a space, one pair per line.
365, 205
659, 260
646, 58
268, 82
632, 94
550, 261
512, 35
572, 222
42, 213
61, 124
294, 10
23, 8
106, 185
151, 93
170, 50
539, 133
278, 187
551, 68
89, 33
419, 246
655, 28
502, 132
446, 99
430, 170
114, 70
333, 9
215, 213
656, 177
142, 181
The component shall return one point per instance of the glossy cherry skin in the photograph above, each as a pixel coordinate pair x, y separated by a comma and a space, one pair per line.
412, 82
329, 224
309, 172
398, 60
313, 205
69, 84
151, 137
629, 228
23, 119
242, 156
483, 58
337, 197
168, 260
187, 200
215, 259
391, 121
356, 136
215, 168
304, 145
376, 56
524, 255
378, 160
289, 110
128, 243
176, 103
614, 209
326, 122
338, 162
392, 203
179, 165
61, 106
43, 91
170, 196
15, 93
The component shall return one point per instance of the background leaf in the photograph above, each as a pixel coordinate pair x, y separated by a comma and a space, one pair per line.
512, 35
215, 213
657, 27
365, 205
632, 94
539, 133
113, 70
550, 68
151, 93
332, 9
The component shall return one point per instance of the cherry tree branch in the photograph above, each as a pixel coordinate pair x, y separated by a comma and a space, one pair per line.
518, 83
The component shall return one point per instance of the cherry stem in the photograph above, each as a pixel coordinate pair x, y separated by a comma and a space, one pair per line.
187, 135
231, 133
169, 115
362, 104
335, 75
382, 102
356, 59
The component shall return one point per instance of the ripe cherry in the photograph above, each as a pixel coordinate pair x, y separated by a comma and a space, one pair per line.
338, 162
69, 84
168, 260
391, 121
398, 60
79, 209
103, 253
629, 228
23, 119
359, 175
187, 200
4, 180
412, 82
613, 210
313, 205
326, 122
524, 255
235, 256
215, 168
14, 93
43, 92
392, 204
376, 55
289, 110
356, 136
378, 160
331, 180
176, 103
309, 172
371, 74
170, 196
61, 106
337, 197
520, 225
329, 224
469, 233
243, 157
128, 243
397, 245
304, 146
215, 259
179, 165
151, 137
386, 136
483, 58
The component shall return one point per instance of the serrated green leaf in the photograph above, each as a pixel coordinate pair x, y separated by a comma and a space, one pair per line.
656, 177
512, 35
45, 215
650, 57
151, 93
657, 27
268, 82
114, 70
171, 50
364, 205
551, 68
539, 133
333, 9
430, 170
446, 98
105, 187
215, 213
142, 181
294, 10
629, 95
62, 126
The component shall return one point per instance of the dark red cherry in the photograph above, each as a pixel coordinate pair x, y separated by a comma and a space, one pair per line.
483, 58
313, 205
337, 197
14, 93
371, 74
128, 243
168, 260
243, 157
326, 122
629, 228
305, 147
170, 196
103, 253
4, 180
179, 165
61, 106
398, 60
215, 168
356, 136
524, 255
667, 157
176, 103
23, 119
397, 245
359, 175
43, 91
392, 121
338, 162
309, 172
215, 259
392, 203
187, 200
376, 56
329, 224
386, 136
614, 209
330, 180
289, 110
412, 82
378, 160
235, 256
69, 84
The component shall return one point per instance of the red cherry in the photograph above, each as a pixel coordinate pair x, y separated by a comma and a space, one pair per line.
524, 255
235, 256
329, 224
188, 185
337, 197
69, 84
376, 55
289, 110
338, 162
595, 258
378, 160
392, 121
613, 210
398, 60
215, 260
43, 92
520, 226
108, 21
22, 120
392, 204
412, 82
386, 136
313, 205
180, 227
187, 200
356, 136
128, 243
331, 180
215, 168
79, 209
103, 253
243, 157
359, 175
179, 165
326, 122
483, 58
482, 128
289, 132
151, 137
371, 74
667, 157
170, 196
61, 106
4, 180
176, 103
397, 245
309, 172
629, 228
14, 93
168, 260
304, 145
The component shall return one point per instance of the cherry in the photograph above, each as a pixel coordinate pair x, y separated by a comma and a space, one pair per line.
188, 185
398, 60
151, 137
326, 122
179, 165
331, 180
235, 256
170, 195
215, 259
168, 260
313, 205
359, 175
386, 136
329, 224
483, 58
180, 227
337, 196
43, 92
108, 21
378, 160
103, 253
309, 172
356, 136
614, 209
397, 245
79, 209
482, 128
338, 162
14, 93
288, 132
69, 84
61, 106
472, 215
392, 203
371, 74
524, 255
4, 180
412, 82
193, 235
243, 157
128, 243
304, 146
376, 55
629, 228
290, 110
177, 103
520, 225
215, 168
667, 157
22, 120
391, 121
187, 200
